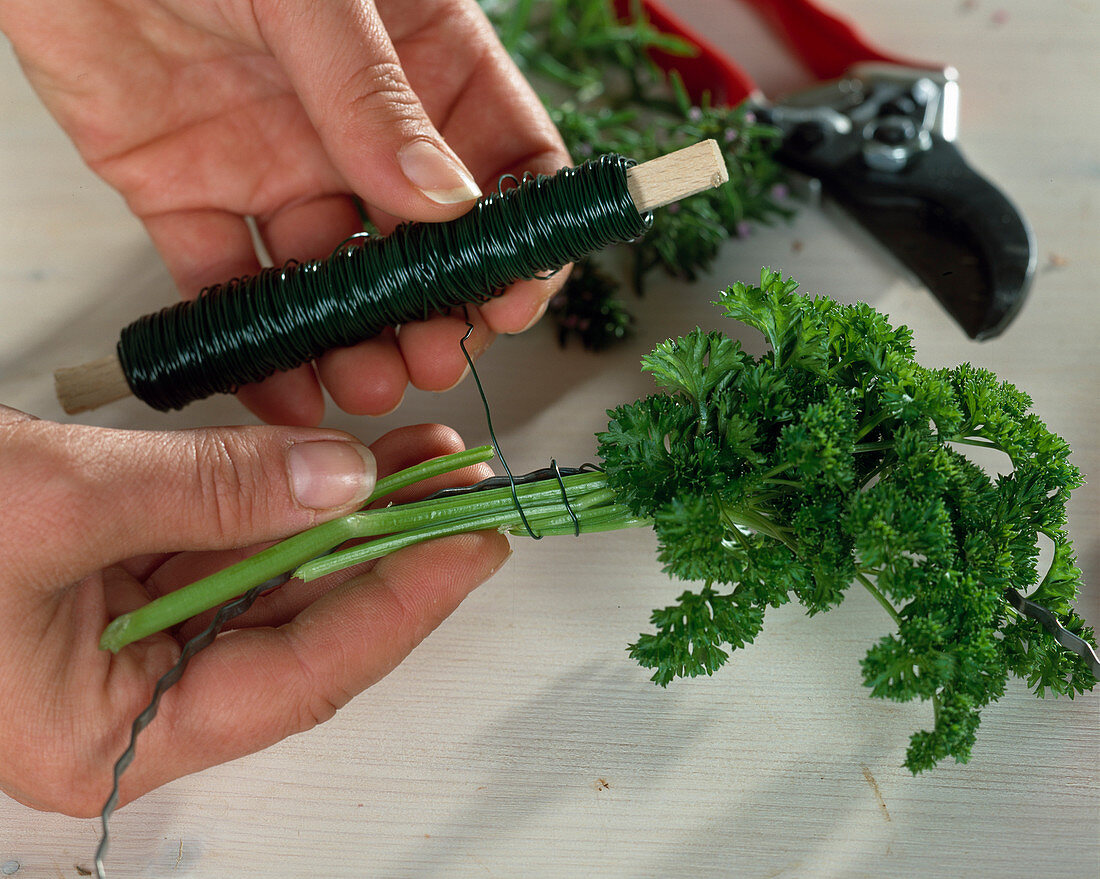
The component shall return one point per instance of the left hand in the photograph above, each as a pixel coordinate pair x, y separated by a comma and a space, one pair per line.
98, 522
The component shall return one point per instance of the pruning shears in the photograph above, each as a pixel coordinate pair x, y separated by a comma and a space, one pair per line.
878, 131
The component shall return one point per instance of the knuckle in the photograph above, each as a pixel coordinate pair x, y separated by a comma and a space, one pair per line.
408, 619
319, 708
226, 484
382, 86
321, 694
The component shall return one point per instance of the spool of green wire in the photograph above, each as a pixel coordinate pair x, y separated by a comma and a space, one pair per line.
247, 328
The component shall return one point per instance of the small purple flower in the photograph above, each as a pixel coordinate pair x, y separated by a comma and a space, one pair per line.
744, 229
584, 149
750, 118
673, 208
695, 114
780, 191
730, 135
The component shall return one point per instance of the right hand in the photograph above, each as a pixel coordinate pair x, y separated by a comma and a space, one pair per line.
203, 112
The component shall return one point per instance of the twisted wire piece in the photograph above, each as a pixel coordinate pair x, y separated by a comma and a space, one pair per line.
167, 680
240, 605
250, 327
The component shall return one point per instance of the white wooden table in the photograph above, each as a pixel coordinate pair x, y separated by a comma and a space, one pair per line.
520, 740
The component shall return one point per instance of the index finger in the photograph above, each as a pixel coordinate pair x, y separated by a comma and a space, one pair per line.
486, 111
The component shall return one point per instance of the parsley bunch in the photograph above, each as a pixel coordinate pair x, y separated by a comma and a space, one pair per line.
836, 458
605, 95
832, 459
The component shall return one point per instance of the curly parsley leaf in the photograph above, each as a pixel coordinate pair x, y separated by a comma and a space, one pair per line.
835, 458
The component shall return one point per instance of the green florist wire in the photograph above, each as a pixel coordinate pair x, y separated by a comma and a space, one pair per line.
246, 329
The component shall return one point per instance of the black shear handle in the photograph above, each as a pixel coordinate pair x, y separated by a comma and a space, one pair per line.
948, 225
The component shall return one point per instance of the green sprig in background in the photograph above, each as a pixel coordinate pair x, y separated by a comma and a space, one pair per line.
605, 95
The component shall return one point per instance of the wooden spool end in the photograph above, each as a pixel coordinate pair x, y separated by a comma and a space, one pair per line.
90, 385
677, 175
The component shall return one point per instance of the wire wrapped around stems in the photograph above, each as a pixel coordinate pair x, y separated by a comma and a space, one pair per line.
250, 327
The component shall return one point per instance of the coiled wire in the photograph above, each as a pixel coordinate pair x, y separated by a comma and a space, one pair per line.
250, 327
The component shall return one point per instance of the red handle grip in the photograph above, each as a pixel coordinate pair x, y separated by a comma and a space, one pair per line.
708, 71
827, 44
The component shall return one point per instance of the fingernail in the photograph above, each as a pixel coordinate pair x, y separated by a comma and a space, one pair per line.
440, 177
539, 312
504, 560
326, 474
459, 380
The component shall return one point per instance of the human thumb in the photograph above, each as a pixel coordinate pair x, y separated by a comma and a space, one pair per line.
373, 125
88, 497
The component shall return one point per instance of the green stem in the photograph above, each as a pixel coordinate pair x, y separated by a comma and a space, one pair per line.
613, 518
543, 520
175, 607
406, 517
872, 424
758, 520
790, 483
310, 555
419, 522
967, 441
873, 447
427, 469
879, 597
885, 462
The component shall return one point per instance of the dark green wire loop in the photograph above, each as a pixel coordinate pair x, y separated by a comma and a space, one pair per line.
250, 327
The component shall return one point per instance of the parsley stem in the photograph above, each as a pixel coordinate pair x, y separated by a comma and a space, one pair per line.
792, 483
406, 527
874, 447
310, 554
427, 469
776, 470
884, 463
757, 520
175, 607
975, 442
879, 597
872, 424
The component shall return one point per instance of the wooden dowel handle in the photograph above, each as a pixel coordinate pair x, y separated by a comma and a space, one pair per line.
90, 385
677, 175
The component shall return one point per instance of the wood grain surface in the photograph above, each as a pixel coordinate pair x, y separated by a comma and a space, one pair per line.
519, 740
